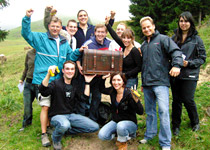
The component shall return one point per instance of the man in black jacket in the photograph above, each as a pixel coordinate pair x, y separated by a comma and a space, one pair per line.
64, 96
159, 52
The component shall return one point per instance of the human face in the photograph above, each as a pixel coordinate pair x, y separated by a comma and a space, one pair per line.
184, 24
100, 34
120, 29
127, 41
117, 82
147, 28
54, 28
68, 71
83, 18
72, 28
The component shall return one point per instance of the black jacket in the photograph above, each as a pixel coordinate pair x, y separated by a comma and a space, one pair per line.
126, 109
60, 103
195, 53
158, 56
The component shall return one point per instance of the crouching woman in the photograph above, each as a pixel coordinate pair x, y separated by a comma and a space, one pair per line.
124, 106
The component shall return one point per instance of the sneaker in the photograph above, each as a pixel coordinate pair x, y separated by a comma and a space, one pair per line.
166, 148
57, 145
196, 127
45, 140
144, 141
21, 129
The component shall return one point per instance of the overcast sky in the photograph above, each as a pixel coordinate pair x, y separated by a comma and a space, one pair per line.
12, 15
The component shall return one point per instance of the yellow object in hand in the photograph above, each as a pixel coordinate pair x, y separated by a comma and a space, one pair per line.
57, 71
135, 93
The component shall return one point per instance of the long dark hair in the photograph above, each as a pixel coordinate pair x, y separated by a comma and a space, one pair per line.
187, 16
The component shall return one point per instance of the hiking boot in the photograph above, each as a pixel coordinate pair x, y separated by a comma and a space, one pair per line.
122, 145
196, 127
143, 141
45, 140
57, 145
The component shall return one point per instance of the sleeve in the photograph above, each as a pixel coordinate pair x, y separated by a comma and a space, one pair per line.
138, 61
47, 18
103, 89
201, 55
137, 106
27, 34
46, 91
115, 36
25, 69
111, 22
73, 55
173, 51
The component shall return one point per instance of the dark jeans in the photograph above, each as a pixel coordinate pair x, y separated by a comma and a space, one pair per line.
183, 92
29, 94
90, 110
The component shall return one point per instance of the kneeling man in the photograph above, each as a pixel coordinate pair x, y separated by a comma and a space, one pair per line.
64, 96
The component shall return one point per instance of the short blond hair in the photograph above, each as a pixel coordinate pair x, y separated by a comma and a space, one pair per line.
100, 26
146, 18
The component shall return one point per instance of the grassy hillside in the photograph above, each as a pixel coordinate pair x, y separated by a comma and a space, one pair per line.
11, 104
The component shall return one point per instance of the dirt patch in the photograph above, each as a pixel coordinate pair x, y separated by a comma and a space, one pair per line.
204, 75
90, 141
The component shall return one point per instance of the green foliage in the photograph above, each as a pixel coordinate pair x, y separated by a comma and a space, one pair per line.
3, 34
165, 12
4, 3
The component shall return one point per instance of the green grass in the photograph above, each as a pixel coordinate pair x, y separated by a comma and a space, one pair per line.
11, 106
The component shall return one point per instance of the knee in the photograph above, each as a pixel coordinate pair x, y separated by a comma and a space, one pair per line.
103, 135
121, 127
62, 127
45, 108
94, 127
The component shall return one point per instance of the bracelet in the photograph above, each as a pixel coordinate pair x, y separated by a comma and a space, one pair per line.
87, 83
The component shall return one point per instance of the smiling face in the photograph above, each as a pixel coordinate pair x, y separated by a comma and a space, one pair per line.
147, 28
82, 17
184, 24
54, 28
100, 33
120, 29
68, 71
72, 27
117, 82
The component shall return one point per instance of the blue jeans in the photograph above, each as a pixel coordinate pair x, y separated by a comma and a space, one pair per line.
73, 123
133, 82
124, 129
159, 94
29, 94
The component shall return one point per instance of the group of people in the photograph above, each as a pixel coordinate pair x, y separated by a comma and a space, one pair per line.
70, 99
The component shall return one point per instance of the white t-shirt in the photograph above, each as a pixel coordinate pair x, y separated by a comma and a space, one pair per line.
115, 47
58, 43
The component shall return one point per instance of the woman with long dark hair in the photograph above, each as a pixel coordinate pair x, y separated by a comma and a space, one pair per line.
124, 106
184, 86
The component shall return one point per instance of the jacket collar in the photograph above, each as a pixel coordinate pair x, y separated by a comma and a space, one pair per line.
153, 35
62, 38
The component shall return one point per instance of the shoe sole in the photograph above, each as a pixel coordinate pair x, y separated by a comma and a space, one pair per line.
46, 145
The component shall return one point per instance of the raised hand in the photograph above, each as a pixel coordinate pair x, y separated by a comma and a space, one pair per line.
29, 12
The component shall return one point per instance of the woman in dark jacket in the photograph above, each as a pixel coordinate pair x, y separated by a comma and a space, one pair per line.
132, 60
124, 107
183, 87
